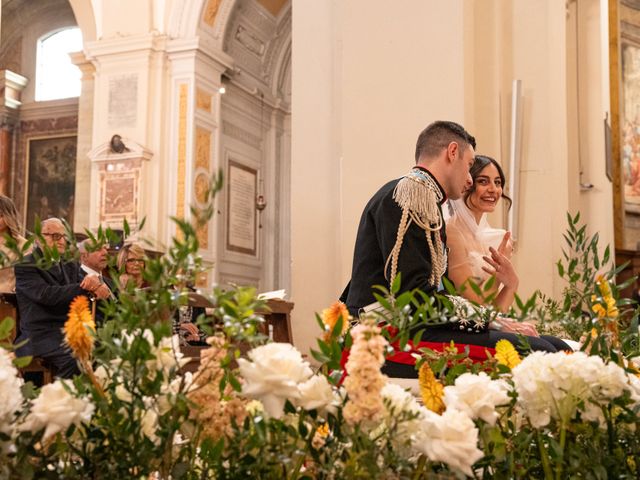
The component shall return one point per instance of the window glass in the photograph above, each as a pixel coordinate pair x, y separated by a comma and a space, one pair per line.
56, 76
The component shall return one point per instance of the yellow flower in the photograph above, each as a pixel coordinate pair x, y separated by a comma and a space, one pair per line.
506, 354
323, 430
320, 437
78, 328
330, 316
607, 307
631, 463
431, 389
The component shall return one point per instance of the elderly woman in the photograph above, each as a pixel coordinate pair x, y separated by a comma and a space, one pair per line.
131, 261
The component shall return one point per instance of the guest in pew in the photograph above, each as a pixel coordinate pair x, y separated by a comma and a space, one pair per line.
10, 232
131, 262
93, 260
44, 296
477, 251
402, 231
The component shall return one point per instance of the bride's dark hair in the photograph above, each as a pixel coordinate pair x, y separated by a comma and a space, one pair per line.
480, 163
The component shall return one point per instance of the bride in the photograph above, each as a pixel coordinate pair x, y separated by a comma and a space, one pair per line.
477, 251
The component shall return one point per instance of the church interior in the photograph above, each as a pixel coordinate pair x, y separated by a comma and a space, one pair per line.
123, 110
311, 109
322, 103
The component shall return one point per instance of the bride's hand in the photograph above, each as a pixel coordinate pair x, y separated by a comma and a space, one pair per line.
501, 267
506, 245
509, 325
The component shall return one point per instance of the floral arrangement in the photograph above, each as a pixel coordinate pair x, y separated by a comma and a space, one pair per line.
255, 409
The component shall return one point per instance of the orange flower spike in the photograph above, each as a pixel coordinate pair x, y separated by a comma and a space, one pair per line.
330, 316
78, 328
431, 389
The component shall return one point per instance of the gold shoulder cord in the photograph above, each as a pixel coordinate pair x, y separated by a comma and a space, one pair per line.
418, 196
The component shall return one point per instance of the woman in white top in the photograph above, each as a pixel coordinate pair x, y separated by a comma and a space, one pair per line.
477, 251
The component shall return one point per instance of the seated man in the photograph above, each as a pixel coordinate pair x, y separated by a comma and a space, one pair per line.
44, 296
93, 261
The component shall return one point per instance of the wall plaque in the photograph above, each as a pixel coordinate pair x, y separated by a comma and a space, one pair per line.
241, 208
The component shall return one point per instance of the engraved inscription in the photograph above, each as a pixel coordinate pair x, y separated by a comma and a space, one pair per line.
123, 101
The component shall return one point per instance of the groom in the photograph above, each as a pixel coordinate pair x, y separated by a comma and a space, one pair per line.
401, 229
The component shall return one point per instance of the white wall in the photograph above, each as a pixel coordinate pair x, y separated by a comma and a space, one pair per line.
366, 81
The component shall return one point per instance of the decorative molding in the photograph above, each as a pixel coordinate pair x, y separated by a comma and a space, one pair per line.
203, 148
11, 86
250, 41
210, 12
240, 134
67, 107
225, 11
183, 90
202, 233
203, 100
129, 44
134, 152
200, 187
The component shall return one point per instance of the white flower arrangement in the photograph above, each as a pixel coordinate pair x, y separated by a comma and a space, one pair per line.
477, 395
10, 394
557, 385
273, 375
56, 409
450, 438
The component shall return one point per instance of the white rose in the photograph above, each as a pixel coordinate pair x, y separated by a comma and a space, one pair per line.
102, 375
317, 393
55, 409
167, 355
10, 393
149, 422
451, 438
397, 401
123, 394
145, 334
273, 375
477, 396
169, 391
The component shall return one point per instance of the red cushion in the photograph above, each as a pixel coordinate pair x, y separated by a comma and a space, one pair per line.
477, 353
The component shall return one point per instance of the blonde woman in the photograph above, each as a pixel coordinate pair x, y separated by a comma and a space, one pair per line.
10, 228
131, 262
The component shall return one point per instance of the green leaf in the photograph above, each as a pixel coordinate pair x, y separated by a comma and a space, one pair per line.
6, 327
489, 283
395, 285
449, 286
22, 362
474, 286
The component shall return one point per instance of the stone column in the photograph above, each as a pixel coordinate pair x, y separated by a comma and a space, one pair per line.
11, 86
85, 135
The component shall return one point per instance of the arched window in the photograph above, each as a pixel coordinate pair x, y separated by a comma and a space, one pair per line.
56, 76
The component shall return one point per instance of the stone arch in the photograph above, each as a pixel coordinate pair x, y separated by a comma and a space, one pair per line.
86, 19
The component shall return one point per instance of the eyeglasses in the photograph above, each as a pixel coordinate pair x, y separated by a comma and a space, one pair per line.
55, 236
135, 260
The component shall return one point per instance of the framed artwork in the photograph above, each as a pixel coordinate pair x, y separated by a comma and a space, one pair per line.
50, 178
241, 208
119, 196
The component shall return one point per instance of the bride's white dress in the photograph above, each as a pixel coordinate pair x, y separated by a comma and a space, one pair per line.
474, 239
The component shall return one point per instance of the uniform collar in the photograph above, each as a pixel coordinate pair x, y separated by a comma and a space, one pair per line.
444, 195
